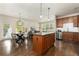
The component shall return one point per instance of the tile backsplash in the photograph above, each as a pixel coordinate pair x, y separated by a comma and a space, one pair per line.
74, 29
68, 27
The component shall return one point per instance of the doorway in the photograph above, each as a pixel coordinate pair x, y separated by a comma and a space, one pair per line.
7, 30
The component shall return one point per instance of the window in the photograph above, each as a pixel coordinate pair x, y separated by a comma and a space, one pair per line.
68, 27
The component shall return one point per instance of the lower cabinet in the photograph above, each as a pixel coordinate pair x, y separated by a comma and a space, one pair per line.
41, 43
75, 35
67, 36
70, 36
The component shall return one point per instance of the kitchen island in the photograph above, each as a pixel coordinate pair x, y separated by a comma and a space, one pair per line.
42, 42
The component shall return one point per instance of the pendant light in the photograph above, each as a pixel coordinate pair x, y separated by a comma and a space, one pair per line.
41, 11
40, 17
48, 14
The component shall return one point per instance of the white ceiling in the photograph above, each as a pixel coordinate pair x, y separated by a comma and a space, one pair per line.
31, 11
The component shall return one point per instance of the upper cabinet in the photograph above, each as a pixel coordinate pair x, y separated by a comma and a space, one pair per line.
59, 23
75, 18
65, 20
71, 19
68, 20
76, 21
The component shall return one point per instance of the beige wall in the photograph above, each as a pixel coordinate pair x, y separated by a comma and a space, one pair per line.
12, 21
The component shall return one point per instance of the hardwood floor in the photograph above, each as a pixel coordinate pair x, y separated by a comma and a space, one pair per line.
9, 48
61, 48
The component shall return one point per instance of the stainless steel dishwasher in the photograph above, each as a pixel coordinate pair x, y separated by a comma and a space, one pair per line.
59, 34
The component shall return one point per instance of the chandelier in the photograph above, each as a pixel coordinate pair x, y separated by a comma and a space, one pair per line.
19, 22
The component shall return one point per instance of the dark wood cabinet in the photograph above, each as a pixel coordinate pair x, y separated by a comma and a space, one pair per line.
71, 19
41, 43
37, 44
78, 20
75, 20
78, 37
75, 36
70, 36
59, 23
68, 20
67, 36
65, 20
75, 23
64, 36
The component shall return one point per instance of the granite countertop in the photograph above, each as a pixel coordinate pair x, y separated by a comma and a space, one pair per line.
43, 33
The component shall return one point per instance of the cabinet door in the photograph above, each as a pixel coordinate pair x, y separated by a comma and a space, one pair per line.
47, 41
65, 20
75, 36
59, 23
64, 36
78, 20
78, 37
70, 34
34, 43
75, 21
37, 44
70, 20
52, 39
67, 36
44, 44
